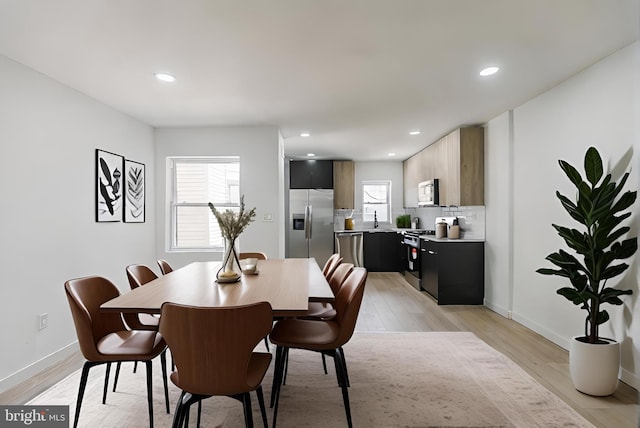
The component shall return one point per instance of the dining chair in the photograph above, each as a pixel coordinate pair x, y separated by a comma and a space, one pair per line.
164, 266
253, 255
213, 349
138, 275
331, 265
260, 256
325, 310
104, 338
326, 337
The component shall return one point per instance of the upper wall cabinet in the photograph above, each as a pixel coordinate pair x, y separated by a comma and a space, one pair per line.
311, 174
412, 170
343, 185
457, 160
464, 184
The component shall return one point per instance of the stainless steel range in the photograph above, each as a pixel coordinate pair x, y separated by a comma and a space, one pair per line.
411, 241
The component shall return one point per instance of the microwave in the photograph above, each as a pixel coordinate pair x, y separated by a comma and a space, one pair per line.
428, 193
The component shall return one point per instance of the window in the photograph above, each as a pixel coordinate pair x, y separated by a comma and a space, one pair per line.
196, 182
376, 201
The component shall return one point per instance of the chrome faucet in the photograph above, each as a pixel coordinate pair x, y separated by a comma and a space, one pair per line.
375, 219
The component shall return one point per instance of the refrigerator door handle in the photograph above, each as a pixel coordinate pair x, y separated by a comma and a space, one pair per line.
308, 219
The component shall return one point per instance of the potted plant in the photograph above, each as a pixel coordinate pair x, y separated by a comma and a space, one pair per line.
600, 208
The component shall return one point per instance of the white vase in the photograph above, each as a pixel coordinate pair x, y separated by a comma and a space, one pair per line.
594, 367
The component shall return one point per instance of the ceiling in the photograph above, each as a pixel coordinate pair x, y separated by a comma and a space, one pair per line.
358, 75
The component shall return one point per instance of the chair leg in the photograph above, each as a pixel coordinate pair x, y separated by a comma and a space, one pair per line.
276, 375
163, 362
277, 381
83, 384
106, 384
199, 414
344, 365
266, 343
286, 366
246, 405
263, 411
135, 366
324, 364
177, 415
150, 391
342, 380
115, 379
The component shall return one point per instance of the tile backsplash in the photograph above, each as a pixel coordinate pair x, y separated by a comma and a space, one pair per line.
470, 218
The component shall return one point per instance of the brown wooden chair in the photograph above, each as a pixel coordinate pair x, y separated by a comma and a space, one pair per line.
213, 352
138, 275
164, 266
331, 265
253, 255
104, 337
326, 337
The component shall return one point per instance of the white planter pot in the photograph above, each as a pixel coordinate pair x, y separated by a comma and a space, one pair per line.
594, 367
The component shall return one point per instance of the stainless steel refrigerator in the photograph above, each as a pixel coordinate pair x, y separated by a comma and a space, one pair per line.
310, 229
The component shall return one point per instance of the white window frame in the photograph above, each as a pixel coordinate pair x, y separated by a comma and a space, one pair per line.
387, 203
174, 204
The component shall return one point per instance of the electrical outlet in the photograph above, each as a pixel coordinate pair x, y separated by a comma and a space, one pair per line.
43, 321
267, 217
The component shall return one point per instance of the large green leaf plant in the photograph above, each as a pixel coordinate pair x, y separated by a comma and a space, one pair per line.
600, 209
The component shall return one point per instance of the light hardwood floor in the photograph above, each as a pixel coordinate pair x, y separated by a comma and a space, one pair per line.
391, 304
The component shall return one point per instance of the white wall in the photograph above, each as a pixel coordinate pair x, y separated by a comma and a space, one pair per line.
498, 176
261, 181
596, 107
48, 137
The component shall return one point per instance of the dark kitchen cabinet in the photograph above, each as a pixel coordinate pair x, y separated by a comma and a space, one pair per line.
311, 174
453, 272
381, 251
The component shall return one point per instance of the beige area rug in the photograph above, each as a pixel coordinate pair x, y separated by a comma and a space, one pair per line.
433, 379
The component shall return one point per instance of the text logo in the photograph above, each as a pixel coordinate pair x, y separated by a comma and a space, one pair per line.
34, 416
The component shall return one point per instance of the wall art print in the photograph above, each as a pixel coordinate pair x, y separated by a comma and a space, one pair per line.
109, 187
134, 192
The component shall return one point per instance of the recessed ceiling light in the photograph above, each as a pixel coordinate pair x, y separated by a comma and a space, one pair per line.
489, 71
416, 132
305, 134
311, 155
165, 77
391, 154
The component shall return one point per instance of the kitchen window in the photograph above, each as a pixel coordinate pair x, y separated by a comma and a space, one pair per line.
195, 183
376, 201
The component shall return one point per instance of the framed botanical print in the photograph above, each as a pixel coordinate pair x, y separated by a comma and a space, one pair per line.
134, 192
109, 180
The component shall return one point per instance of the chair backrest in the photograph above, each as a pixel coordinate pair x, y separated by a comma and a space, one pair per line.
85, 295
347, 304
255, 255
211, 347
139, 275
339, 276
331, 265
164, 266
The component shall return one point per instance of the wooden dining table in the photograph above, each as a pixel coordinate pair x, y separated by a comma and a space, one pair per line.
287, 284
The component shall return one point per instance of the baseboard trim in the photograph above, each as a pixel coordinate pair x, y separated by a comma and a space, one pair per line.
54, 366
625, 375
497, 308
